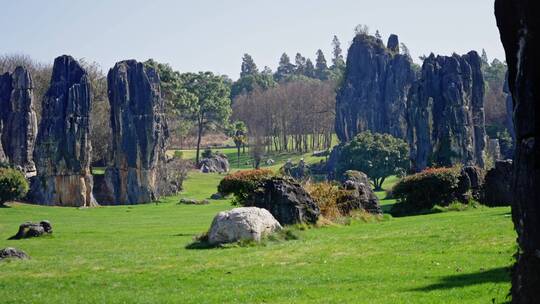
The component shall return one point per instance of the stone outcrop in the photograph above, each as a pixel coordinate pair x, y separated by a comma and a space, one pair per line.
217, 163
497, 186
471, 183
247, 223
519, 25
139, 134
29, 230
19, 127
286, 200
445, 112
63, 150
358, 194
13, 253
5, 97
375, 89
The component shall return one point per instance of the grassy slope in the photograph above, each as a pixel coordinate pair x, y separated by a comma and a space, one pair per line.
137, 254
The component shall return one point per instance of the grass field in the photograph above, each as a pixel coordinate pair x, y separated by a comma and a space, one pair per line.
138, 254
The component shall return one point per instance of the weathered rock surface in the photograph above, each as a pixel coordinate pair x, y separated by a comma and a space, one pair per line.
217, 163
471, 183
519, 25
286, 200
360, 196
445, 112
19, 120
13, 253
247, 223
139, 134
63, 150
29, 230
375, 89
497, 186
5, 100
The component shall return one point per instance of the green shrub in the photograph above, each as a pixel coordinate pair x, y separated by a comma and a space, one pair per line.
424, 190
207, 153
13, 185
178, 154
241, 183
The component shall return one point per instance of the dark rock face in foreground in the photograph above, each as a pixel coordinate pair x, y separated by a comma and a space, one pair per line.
19, 126
139, 134
446, 123
519, 25
375, 89
29, 230
13, 253
286, 200
63, 149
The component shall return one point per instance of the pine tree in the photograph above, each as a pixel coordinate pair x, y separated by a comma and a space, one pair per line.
321, 68
485, 60
249, 68
337, 61
300, 64
309, 70
285, 68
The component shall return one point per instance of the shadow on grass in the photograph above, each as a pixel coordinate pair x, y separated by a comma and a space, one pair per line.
496, 275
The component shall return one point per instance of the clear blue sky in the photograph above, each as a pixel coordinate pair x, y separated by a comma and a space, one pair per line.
213, 35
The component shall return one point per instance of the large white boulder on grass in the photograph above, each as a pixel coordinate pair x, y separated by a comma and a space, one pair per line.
246, 223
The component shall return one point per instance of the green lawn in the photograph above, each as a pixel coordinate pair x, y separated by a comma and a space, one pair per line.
131, 254
246, 161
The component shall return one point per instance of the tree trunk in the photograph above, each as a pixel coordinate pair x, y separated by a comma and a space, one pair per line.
519, 23
199, 137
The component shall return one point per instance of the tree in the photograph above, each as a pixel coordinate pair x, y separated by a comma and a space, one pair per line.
300, 64
337, 61
321, 67
377, 155
285, 69
309, 70
239, 135
378, 35
211, 106
248, 66
13, 185
405, 50
485, 60
361, 29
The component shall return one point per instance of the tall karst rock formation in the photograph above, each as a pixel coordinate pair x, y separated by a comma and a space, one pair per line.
519, 25
5, 96
375, 89
19, 121
139, 134
63, 149
445, 112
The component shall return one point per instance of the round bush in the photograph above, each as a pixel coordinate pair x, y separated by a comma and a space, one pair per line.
424, 190
13, 185
241, 183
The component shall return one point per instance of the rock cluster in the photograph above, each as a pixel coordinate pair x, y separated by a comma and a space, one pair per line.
375, 89
519, 26
497, 186
247, 223
18, 121
358, 194
286, 200
13, 253
139, 134
63, 150
445, 112
29, 230
217, 163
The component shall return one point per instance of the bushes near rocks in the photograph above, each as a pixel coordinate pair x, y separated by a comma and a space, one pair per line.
424, 190
241, 183
13, 185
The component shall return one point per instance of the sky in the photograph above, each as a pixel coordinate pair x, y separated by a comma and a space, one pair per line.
201, 35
